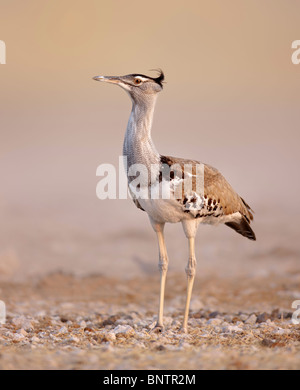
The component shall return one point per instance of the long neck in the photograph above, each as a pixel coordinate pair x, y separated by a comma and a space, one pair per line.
138, 146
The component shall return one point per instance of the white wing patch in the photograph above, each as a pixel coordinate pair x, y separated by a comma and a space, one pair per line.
194, 203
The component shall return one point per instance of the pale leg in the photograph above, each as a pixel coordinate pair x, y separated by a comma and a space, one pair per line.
163, 268
190, 229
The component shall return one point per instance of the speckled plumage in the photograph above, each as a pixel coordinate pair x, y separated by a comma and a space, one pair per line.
218, 203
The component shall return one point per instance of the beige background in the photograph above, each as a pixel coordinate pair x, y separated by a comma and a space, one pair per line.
231, 100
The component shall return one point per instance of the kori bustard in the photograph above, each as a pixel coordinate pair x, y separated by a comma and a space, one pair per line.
193, 192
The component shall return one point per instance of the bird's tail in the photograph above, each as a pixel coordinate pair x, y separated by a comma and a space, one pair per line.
242, 227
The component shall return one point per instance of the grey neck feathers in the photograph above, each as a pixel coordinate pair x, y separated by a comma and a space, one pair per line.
138, 146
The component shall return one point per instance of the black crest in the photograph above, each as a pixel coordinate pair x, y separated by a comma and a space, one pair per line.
160, 79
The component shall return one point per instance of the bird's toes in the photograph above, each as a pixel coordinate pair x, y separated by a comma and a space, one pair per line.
183, 329
159, 328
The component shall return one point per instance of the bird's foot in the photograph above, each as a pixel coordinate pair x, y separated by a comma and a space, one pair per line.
183, 329
159, 328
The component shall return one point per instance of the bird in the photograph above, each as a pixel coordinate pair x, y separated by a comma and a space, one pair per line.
194, 192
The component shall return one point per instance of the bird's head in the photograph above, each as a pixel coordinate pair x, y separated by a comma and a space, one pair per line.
139, 86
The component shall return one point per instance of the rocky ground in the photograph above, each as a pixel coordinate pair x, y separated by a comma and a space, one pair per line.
61, 321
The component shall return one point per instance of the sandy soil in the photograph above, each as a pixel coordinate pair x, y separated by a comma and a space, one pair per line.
96, 322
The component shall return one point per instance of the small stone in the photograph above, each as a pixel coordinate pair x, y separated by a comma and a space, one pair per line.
214, 314
287, 314
123, 330
74, 339
232, 328
280, 331
262, 317
275, 314
214, 321
23, 332
110, 321
168, 321
142, 323
35, 339
228, 317
225, 323
267, 342
143, 335
243, 317
62, 330
18, 337
110, 336
251, 320
22, 322
160, 347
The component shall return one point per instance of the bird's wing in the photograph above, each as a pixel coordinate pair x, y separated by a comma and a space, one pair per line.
218, 198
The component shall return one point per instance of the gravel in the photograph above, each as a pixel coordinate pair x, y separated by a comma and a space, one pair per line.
68, 325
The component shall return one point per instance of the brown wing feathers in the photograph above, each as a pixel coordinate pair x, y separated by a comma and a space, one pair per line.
220, 197
242, 227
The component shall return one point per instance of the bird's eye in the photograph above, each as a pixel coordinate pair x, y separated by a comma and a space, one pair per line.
137, 81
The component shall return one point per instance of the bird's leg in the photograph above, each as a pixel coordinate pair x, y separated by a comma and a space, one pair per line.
190, 228
163, 268
190, 272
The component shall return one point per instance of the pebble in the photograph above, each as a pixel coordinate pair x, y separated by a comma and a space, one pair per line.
232, 328
124, 330
228, 317
142, 335
22, 331
23, 322
110, 336
214, 321
35, 339
262, 317
74, 339
62, 330
142, 323
214, 314
243, 317
251, 320
18, 336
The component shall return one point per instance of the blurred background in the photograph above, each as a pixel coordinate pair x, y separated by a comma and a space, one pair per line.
231, 99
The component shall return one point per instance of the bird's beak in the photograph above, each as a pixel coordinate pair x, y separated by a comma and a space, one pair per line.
108, 79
